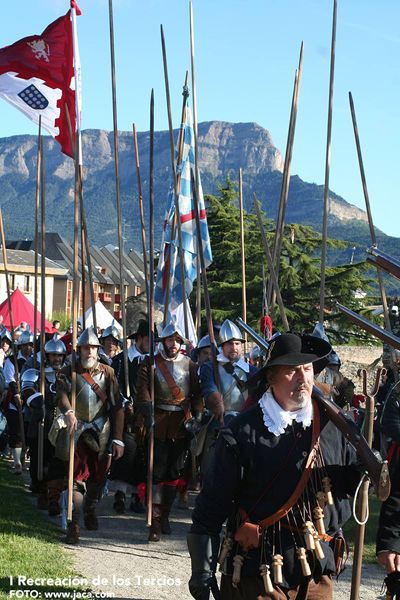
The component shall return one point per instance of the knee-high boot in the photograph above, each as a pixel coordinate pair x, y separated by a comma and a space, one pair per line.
156, 514
168, 500
55, 488
93, 493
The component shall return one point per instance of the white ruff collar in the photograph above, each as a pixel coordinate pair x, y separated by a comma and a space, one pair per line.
133, 352
276, 419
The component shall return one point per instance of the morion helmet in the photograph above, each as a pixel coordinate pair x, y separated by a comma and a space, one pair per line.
55, 346
229, 331
172, 329
6, 335
26, 337
30, 379
111, 330
88, 338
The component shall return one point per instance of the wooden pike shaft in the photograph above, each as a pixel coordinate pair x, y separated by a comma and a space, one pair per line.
150, 457
327, 168
142, 226
75, 300
196, 149
363, 494
37, 238
83, 219
43, 312
118, 201
14, 347
270, 264
207, 303
242, 249
372, 230
83, 273
280, 220
176, 188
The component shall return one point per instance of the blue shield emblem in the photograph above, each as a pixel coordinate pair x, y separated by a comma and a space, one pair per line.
34, 98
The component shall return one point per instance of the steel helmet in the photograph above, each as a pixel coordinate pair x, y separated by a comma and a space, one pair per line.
229, 331
6, 335
26, 337
88, 338
172, 329
30, 379
111, 330
55, 346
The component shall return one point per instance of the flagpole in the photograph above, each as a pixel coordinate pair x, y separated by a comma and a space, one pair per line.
139, 185
150, 454
327, 167
244, 307
196, 152
14, 347
43, 312
118, 200
37, 241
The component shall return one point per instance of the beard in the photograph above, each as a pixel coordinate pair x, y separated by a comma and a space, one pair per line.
171, 353
303, 397
89, 362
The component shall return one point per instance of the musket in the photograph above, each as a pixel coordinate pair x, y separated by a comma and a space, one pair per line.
375, 330
150, 455
377, 470
384, 261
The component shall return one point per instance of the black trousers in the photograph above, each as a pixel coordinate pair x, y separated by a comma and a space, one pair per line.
169, 458
48, 453
123, 468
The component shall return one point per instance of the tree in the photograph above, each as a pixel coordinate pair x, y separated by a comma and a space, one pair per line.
299, 274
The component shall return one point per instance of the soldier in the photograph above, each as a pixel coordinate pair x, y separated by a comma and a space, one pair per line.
5, 345
112, 344
177, 398
52, 484
123, 472
233, 374
25, 349
97, 397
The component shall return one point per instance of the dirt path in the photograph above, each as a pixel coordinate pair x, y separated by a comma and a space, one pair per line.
119, 555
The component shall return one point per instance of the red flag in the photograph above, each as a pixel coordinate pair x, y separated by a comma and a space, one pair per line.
37, 77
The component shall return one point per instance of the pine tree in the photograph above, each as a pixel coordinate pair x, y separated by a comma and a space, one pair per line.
299, 273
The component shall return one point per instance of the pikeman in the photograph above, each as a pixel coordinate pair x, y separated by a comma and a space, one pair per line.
13, 400
5, 345
112, 344
123, 472
177, 399
97, 397
41, 409
233, 374
282, 474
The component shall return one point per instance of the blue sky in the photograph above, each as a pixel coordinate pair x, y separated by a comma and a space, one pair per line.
246, 56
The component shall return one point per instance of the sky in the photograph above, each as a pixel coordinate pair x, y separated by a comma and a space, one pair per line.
246, 53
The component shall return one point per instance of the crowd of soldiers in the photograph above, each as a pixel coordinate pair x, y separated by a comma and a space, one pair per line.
244, 429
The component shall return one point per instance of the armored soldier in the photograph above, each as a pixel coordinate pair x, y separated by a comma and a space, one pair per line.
97, 397
124, 472
112, 344
233, 373
13, 400
43, 410
177, 398
5, 345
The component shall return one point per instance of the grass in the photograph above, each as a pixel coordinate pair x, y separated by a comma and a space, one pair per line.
30, 545
371, 528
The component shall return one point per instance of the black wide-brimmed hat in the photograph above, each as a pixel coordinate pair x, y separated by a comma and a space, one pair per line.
142, 330
293, 349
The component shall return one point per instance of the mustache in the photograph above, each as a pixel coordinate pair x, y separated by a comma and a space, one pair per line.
302, 386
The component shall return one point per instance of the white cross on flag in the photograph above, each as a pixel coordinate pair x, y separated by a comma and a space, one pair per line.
37, 77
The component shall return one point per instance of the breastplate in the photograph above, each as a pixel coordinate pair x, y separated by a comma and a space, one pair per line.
235, 398
88, 404
180, 372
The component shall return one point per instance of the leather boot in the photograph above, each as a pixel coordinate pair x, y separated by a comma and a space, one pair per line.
155, 529
73, 533
55, 488
42, 503
169, 497
93, 493
183, 503
136, 506
119, 502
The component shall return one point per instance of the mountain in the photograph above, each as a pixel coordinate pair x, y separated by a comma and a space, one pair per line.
223, 149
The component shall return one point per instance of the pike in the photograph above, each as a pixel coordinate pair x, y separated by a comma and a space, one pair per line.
280, 219
43, 311
139, 186
244, 309
37, 238
177, 218
382, 334
150, 456
371, 228
327, 167
377, 470
270, 264
14, 349
118, 200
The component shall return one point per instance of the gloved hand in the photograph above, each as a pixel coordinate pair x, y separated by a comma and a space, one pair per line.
147, 410
215, 403
203, 551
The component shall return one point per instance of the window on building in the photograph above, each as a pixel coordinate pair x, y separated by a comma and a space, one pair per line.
27, 283
12, 281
